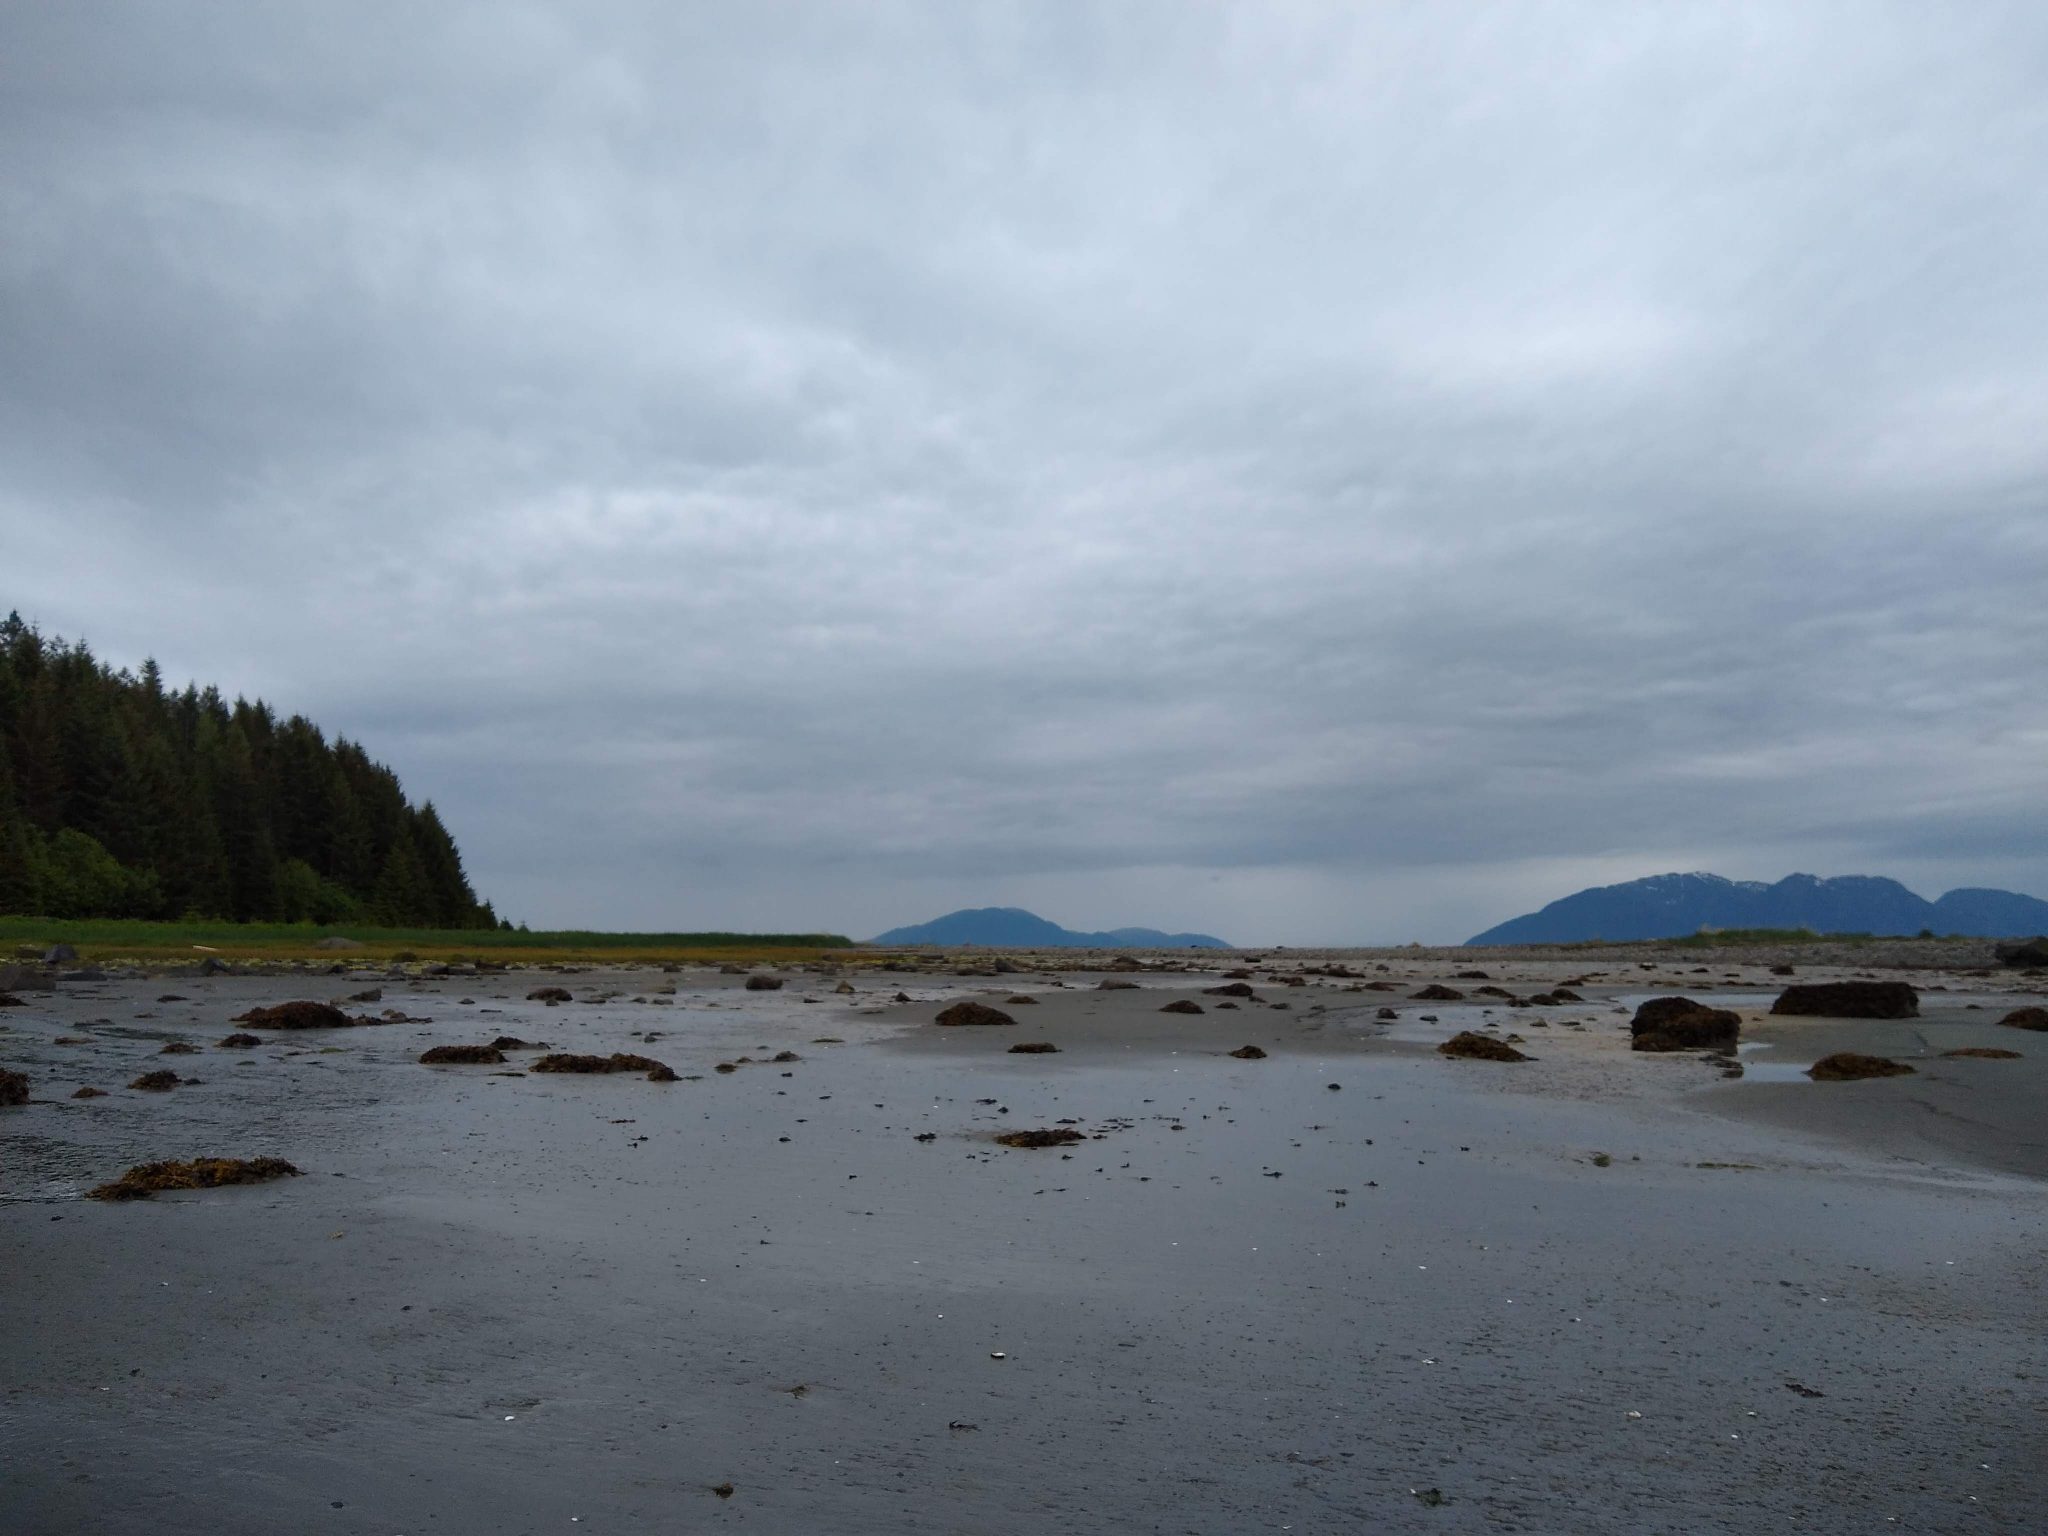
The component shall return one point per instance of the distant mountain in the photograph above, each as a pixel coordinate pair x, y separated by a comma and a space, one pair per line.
1672, 906
1014, 928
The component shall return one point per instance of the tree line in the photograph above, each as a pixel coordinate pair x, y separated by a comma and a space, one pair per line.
122, 798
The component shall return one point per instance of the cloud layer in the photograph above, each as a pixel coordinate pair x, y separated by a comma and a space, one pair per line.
1305, 473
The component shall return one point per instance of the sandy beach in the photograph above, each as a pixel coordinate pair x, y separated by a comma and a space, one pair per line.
1349, 1285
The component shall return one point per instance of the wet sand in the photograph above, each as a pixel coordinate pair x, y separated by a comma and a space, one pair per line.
1576, 1294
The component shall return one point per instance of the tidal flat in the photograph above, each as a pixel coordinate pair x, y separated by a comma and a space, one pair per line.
1349, 1284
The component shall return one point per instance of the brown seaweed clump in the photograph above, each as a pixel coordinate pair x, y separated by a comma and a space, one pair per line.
785, 1056
1249, 1053
619, 1061
13, 1087
157, 1082
1033, 1048
1477, 1047
1058, 1136
462, 1056
2026, 1018
510, 1043
1021, 1001
973, 1013
1436, 992
90, 1093
296, 1016
1233, 989
179, 1048
239, 1041
548, 995
1984, 1053
764, 983
1182, 1005
1849, 1067
145, 1179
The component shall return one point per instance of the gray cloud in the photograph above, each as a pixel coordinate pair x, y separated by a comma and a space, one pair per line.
1305, 473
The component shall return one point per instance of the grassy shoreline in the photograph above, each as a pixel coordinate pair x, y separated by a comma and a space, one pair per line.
112, 939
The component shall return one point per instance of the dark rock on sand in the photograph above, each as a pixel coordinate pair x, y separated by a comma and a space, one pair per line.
1182, 1005
1249, 1053
1680, 1024
1033, 1048
1476, 1047
1232, 989
1850, 1000
2026, 1018
2027, 952
1020, 1001
565, 1061
462, 1056
973, 1013
1984, 1053
764, 983
13, 1087
90, 1093
145, 1179
1437, 993
1116, 986
157, 1082
510, 1043
179, 1048
1059, 1136
239, 1041
296, 1016
548, 995
1848, 1067
9, 1000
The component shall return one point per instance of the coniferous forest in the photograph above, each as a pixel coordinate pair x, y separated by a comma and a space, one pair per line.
122, 798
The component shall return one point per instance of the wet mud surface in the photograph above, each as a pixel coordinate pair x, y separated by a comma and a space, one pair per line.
1598, 1291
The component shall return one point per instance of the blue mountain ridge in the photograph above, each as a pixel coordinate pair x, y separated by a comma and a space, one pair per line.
1673, 906
1014, 928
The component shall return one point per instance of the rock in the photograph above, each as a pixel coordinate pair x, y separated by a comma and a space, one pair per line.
1116, 986
1848, 1067
462, 1056
549, 995
1386, 1013
844, 989
9, 1000
90, 1093
1850, 1000
2027, 952
370, 995
564, 1061
60, 954
26, 978
178, 1048
212, 967
1784, 970
1249, 1053
239, 1041
510, 1043
973, 1013
1984, 1053
336, 941
1033, 1048
13, 1087
1059, 1136
764, 983
145, 1179
1680, 1024
1564, 995
2026, 1018
296, 1016
1231, 989
1476, 1047
1182, 1005
156, 1082
1437, 993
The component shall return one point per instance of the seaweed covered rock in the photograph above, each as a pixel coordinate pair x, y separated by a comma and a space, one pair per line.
568, 1061
1058, 1136
2026, 1018
146, 1179
510, 1043
13, 1087
178, 1048
1436, 992
1182, 1005
2027, 952
764, 983
1107, 985
9, 1000
239, 1041
1033, 1048
1230, 989
1849, 1067
462, 1056
1680, 1024
1477, 1047
296, 1016
1249, 1053
973, 1013
1983, 1053
157, 1082
90, 1092
1850, 1000
548, 995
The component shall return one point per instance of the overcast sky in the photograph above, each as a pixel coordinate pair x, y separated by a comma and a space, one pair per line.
1310, 474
